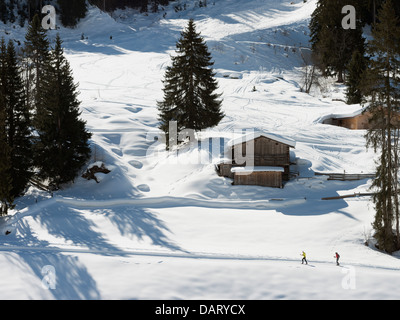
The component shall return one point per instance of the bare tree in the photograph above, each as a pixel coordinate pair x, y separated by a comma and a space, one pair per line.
310, 73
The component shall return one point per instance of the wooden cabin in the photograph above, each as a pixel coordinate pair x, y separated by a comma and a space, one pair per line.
359, 120
257, 159
356, 121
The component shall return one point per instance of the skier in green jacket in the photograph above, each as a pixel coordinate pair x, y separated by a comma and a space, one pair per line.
303, 254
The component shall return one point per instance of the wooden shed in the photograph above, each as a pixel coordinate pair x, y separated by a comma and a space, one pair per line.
264, 160
358, 120
258, 176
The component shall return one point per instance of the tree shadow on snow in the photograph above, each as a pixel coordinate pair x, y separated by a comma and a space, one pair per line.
72, 279
313, 194
140, 223
308, 192
316, 207
78, 229
132, 222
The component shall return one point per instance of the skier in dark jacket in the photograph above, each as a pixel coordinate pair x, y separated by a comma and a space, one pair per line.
337, 256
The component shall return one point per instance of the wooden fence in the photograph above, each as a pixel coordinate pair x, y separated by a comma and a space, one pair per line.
355, 195
347, 176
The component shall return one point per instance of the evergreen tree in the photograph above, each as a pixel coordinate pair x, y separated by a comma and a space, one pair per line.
154, 6
356, 70
6, 198
22, 13
11, 7
144, 6
382, 85
34, 8
3, 12
189, 91
62, 147
36, 58
333, 45
72, 11
20, 136
371, 8
17, 118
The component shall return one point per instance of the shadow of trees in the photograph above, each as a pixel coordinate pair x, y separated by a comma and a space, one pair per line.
74, 280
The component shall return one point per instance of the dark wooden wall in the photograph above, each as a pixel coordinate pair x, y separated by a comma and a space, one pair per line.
267, 152
266, 179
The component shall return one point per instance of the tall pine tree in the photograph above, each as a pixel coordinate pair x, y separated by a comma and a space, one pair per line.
189, 86
356, 69
71, 11
62, 147
3, 12
333, 45
382, 85
6, 198
18, 125
36, 57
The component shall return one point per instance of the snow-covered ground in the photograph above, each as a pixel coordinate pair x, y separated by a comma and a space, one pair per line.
165, 226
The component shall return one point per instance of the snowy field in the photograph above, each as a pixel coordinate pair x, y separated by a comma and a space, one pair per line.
165, 226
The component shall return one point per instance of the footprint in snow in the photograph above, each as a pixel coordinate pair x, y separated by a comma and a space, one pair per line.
136, 164
118, 152
134, 110
144, 188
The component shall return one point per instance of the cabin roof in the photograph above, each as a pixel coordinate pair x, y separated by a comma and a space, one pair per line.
256, 134
353, 114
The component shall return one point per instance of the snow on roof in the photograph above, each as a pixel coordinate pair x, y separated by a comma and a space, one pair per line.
256, 169
257, 134
348, 115
344, 115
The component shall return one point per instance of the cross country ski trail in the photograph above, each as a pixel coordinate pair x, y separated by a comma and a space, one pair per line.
157, 202
187, 255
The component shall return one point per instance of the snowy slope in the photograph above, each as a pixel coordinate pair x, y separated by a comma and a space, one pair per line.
165, 226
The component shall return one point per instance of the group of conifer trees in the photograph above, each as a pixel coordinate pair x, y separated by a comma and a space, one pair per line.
41, 133
69, 11
380, 88
142, 5
341, 52
373, 79
21, 11
333, 46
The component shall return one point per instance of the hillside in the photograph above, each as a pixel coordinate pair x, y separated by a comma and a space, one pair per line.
166, 226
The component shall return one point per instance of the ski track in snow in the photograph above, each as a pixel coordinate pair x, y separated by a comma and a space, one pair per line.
179, 255
161, 202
